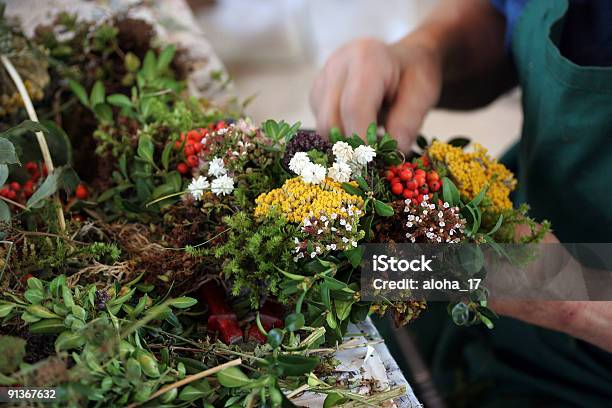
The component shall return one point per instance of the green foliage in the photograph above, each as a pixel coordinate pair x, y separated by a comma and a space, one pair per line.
13, 352
253, 252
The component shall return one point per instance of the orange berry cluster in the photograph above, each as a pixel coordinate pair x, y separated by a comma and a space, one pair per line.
194, 142
412, 181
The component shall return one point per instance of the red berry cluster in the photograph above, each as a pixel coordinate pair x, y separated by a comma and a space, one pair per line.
193, 143
411, 182
20, 193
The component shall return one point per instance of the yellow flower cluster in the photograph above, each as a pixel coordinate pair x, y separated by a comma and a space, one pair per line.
472, 171
296, 199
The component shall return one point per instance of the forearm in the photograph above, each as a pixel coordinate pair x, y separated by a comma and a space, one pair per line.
588, 321
467, 39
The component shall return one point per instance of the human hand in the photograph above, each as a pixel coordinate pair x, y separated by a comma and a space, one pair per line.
365, 75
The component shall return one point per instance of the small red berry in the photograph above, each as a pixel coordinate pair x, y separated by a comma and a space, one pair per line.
11, 195
406, 175
197, 146
182, 168
432, 176
425, 161
4, 192
395, 180
15, 186
31, 167
189, 150
419, 172
412, 184
194, 135
390, 175
182, 138
81, 192
420, 198
424, 189
408, 194
220, 125
45, 171
406, 165
420, 180
178, 144
35, 175
397, 188
434, 185
193, 161
78, 218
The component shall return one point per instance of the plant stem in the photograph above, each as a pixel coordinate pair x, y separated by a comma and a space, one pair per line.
42, 142
190, 379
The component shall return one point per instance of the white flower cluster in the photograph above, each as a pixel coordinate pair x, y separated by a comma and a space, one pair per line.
222, 184
348, 162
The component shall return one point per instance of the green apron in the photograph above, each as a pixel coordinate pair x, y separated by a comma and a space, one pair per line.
564, 164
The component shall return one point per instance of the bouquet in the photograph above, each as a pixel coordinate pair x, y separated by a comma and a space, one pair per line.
187, 257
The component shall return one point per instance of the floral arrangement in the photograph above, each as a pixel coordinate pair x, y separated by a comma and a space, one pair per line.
207, 261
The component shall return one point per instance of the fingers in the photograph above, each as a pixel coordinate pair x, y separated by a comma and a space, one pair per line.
325, 100
360, 102
415, 97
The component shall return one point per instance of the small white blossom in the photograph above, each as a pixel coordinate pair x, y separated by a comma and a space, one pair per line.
222, 185
342, 151
197, 187
364, 154
340, 172
313, 173
298, 162
216, 167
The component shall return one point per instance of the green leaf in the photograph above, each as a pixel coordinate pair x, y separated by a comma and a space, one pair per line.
459, 141
41, 311
478, 199
6, 309
421, 142
146, 148
34, 296
46, 189
166, 156
232, 377
103, 112
333, 399
4, 173
460, 314
165, 58
294, 322
5, 213
343, 308
149, 65
35, 283
382, 209
352, 190
192, 393
497, 225
47, 326
354, 256
450, 194
296, 365
98, 95
7, 152
120, 101
371, 134
325, 298
335, 135
79, 91
275, 337
362, 183
183, 302
68, 340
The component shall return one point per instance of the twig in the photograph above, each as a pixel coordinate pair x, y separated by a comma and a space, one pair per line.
15, 203
189, 379
42, 142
